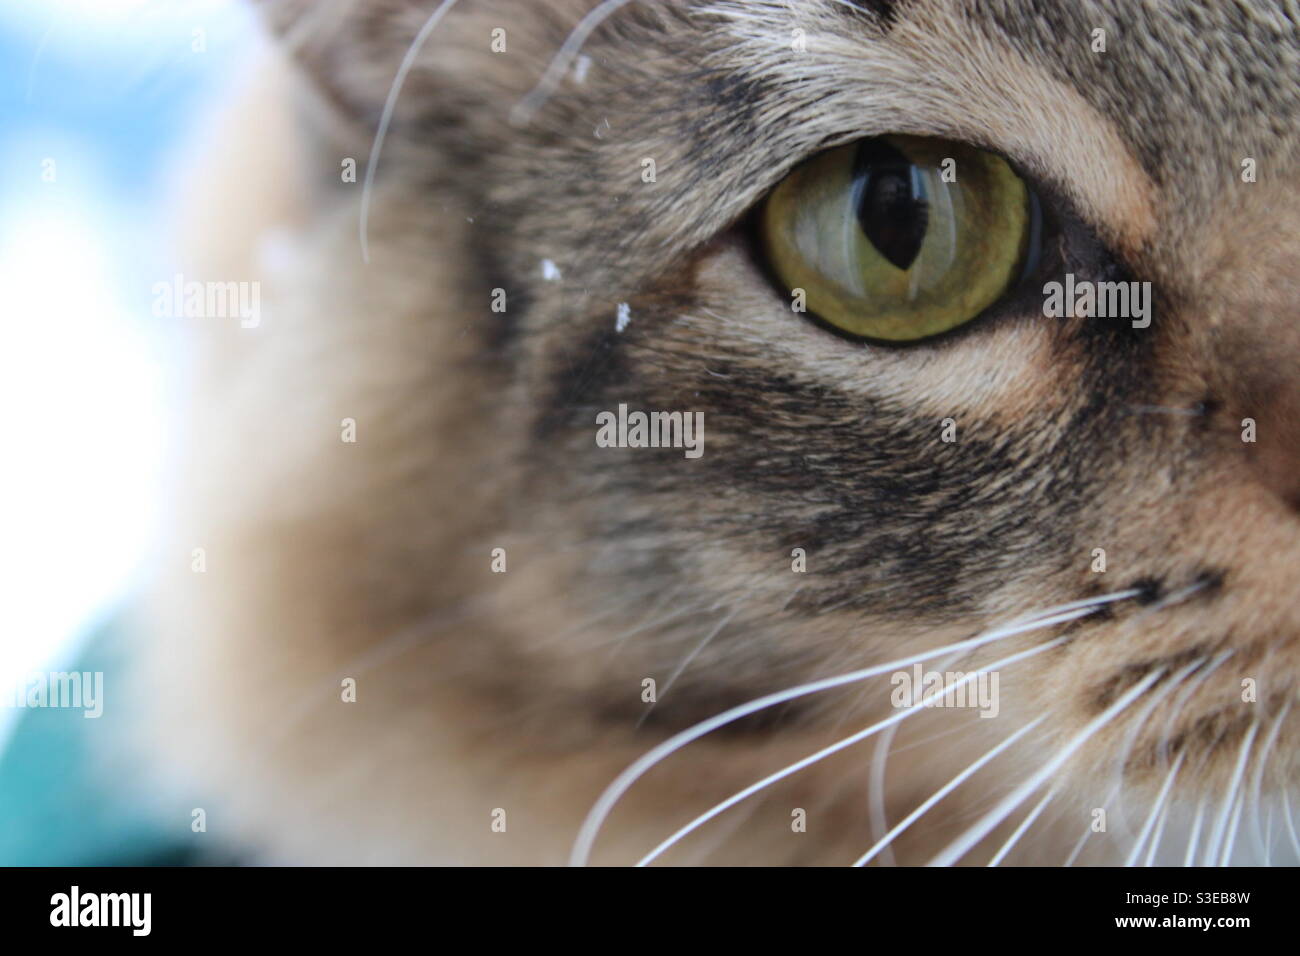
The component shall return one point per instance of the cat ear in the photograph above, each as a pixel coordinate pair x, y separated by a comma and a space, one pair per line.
347, 51
466, 58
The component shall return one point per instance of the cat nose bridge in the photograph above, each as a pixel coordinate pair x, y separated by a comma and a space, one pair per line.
1258, 371
1273, 449
1240, 327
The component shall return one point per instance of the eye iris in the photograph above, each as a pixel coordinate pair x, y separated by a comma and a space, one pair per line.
894, 210
899, 238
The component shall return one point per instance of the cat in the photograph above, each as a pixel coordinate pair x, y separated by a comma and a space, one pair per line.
414, 612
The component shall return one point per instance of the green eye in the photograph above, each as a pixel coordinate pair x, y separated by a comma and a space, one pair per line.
900, 237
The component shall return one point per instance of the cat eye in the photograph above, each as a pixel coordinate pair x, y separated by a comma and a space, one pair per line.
901, 237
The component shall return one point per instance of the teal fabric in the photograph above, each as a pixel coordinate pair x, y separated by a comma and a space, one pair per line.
69, 795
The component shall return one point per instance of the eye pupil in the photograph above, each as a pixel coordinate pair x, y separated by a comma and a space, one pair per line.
893, 210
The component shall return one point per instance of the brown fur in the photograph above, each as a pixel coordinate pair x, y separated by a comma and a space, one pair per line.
521, 690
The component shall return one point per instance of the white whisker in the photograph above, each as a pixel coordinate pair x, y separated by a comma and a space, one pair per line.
1232, 831
390, 104
1195, 838
1156, 809
605, 803
876, 788
1025, 824
1257, 778
1268, 837
1088, 831
1290, 823
1186, 693
1078, 847
686, 661
835, 748
1220, 828
1155, 839
530, 104
943, 791
1139, 722
876, 781
981, 829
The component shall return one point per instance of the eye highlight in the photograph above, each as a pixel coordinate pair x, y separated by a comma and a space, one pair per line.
901, 237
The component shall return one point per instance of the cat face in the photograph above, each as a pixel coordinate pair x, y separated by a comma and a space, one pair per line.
857, 502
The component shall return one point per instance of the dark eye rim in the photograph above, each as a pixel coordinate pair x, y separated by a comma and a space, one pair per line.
1063, 239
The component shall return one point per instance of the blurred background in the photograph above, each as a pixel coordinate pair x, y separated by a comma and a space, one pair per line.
98, 97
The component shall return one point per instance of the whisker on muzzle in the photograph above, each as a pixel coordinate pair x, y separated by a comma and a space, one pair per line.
596, 817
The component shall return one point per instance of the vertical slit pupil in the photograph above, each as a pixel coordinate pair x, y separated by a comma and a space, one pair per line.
893, 210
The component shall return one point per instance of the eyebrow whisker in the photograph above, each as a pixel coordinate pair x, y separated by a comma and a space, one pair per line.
524, 110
